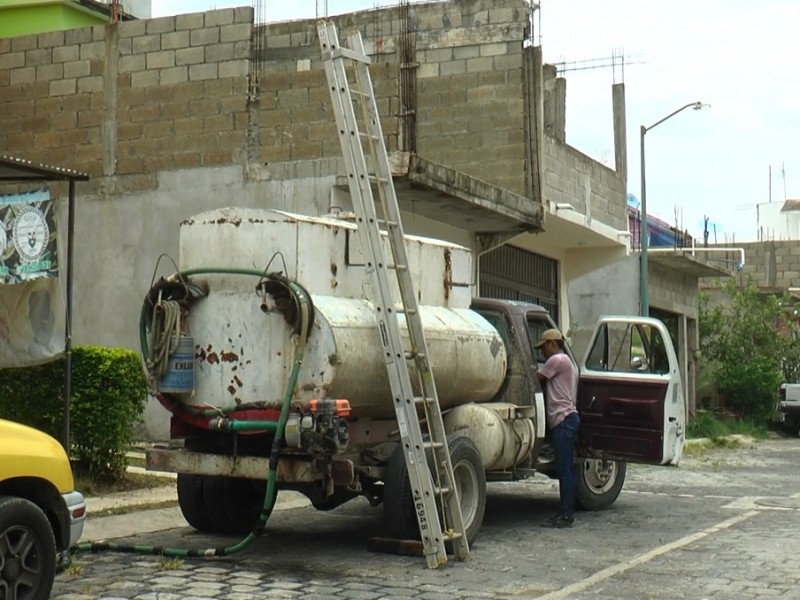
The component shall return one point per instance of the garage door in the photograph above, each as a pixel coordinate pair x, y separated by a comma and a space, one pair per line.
509, 273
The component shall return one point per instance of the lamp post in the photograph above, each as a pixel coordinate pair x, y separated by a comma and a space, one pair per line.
643, 234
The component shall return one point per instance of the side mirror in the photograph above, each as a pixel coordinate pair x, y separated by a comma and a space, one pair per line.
638, 363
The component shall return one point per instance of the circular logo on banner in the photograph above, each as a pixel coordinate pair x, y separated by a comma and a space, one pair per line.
30, 234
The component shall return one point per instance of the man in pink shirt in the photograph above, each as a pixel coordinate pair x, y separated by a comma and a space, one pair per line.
561, 376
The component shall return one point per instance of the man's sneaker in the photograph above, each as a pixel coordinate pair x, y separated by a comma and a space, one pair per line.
559, 522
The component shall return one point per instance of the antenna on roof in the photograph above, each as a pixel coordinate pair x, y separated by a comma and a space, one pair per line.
770, 183
783, 174
616, 61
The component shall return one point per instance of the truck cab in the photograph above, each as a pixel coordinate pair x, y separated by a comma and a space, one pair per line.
630, 396
41, 513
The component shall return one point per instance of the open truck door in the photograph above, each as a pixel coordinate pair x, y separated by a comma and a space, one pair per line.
630, 394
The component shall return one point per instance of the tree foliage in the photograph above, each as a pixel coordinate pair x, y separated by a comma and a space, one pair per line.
750, 343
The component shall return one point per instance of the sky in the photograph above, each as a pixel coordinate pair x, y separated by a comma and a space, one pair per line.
737, 56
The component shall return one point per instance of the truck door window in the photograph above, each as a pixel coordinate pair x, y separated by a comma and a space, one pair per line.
535, 329
627, 348
598, 357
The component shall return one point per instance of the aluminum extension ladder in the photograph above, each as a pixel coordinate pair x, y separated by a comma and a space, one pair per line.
428, 483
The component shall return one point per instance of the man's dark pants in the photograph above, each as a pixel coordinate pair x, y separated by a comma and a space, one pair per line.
564, 435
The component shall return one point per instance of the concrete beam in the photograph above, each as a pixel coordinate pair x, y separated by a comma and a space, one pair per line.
443, 194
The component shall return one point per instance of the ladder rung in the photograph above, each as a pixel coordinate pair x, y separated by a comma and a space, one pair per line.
368, 136
348, 53
434, 445
441, 491
422, 399
378, 179
451, 535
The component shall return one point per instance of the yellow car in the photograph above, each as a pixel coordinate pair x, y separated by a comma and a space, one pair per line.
41, 514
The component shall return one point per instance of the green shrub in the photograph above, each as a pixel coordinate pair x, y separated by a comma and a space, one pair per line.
108, 396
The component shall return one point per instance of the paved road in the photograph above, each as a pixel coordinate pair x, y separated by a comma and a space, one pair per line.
722, 526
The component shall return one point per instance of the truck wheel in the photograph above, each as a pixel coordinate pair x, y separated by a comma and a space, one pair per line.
27, 550
192, 502
470, 479
599, 482
233, 504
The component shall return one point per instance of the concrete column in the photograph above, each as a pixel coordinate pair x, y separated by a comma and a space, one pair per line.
534, 117
108, 128
620, 143
555, 104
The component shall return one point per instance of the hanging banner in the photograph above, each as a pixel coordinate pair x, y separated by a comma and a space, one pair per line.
32, 321
27, 237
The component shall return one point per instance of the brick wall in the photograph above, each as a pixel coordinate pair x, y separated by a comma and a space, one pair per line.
673, 291
590, 187
52, 96
773, 265
468, 80
129, 100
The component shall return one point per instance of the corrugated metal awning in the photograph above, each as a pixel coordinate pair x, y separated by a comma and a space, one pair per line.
18, 169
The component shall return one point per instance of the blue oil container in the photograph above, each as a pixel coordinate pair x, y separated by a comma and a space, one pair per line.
179, 378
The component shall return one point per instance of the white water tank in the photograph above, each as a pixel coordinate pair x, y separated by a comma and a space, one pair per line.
243, 355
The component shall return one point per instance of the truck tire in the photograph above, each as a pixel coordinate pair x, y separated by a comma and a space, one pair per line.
27, 550
470, 479
599, 482
192, 501
233, 504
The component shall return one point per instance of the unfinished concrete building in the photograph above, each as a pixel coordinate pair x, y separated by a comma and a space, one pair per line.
177, 115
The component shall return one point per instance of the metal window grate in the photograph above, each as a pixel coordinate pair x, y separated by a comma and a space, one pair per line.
510, 273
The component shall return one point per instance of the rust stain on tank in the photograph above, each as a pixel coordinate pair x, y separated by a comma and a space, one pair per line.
231, 390
448, 275
212, 358
229, 357
238, 381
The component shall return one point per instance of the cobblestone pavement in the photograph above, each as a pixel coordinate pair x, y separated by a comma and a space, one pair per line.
725, 525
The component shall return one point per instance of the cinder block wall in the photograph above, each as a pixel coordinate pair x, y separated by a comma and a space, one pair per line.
773, 264
129, 100
52, 96
673, 291
467, 63
590, 187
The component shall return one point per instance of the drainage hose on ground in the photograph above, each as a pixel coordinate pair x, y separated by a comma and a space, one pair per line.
302, 322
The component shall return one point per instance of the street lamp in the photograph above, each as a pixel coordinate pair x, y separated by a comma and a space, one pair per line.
643, 283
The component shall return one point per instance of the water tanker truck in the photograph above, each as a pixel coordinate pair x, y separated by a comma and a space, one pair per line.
264, 349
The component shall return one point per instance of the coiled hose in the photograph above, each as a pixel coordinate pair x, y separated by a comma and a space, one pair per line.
302, 322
